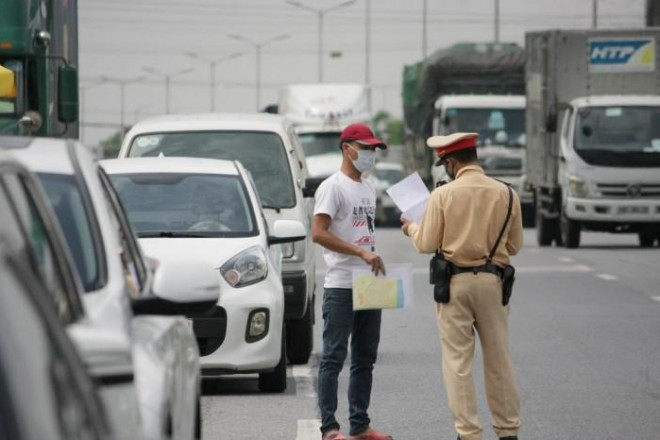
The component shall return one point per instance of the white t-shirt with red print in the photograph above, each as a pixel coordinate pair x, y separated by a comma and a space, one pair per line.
352, 207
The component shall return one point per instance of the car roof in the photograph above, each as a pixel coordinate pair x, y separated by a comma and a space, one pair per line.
389, 166
210, 122
185, 165
481, 101
42, 155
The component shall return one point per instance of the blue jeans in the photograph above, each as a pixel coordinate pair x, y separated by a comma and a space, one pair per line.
340, 322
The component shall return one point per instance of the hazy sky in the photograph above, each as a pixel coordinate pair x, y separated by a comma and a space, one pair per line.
119, 38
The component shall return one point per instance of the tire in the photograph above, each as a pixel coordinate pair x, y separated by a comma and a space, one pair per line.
570, 232
528, 216
300, 337
646, 240
545, 230
275, 381
198, 419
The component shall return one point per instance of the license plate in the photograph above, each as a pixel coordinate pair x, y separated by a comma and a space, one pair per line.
633, 210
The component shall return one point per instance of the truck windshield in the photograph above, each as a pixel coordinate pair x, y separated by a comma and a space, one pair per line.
496, 126
619, 136
316, 144
261, 153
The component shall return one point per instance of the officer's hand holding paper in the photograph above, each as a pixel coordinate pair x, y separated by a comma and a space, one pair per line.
410, 195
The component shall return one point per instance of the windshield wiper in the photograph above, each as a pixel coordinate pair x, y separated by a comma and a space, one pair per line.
170, 234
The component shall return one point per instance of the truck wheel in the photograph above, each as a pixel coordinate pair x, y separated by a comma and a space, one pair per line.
528, 216
300, 337
570, 232
544, 230
275, 381
646, 239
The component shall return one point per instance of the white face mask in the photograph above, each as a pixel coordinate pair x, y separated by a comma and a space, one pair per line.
365, 161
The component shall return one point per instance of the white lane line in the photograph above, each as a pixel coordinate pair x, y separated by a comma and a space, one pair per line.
566, 259
308, 429
607, 277
578, 268
304, 376
301, 371
657, 298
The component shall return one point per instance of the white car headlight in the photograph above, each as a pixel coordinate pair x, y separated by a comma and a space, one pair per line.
246, 268
577, 187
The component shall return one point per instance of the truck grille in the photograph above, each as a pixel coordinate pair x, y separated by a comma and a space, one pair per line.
629, 190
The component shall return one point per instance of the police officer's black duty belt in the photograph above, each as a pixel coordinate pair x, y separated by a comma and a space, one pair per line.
487, 268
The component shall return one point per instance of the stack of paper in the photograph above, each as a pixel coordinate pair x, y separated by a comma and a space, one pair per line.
383, 292
410, 195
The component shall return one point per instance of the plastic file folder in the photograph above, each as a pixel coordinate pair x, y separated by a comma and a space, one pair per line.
391, 291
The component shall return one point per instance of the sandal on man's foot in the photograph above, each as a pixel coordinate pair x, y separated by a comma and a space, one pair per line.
333, 434
371, 434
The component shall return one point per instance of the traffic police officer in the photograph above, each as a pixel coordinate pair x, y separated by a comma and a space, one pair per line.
463, 220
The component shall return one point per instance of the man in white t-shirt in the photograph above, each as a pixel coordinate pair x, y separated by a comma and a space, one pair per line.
344, 225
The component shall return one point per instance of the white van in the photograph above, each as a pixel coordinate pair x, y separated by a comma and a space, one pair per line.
269, 149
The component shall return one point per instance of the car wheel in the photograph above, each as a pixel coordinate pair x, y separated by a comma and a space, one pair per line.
198, 418
570, 232
646, 240
300, 337
275, 381
544, 230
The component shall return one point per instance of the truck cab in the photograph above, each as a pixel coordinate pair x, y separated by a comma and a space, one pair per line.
609, 167
500, 122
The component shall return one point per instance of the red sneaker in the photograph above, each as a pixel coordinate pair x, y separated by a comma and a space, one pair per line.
371, 434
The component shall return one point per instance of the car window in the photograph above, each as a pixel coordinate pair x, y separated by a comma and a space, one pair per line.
262, 153
175, 204
79, 230
40, 245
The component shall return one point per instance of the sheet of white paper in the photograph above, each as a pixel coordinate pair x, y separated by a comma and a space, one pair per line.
415, 212
408, 192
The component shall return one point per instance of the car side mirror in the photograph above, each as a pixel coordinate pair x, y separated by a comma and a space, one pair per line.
67, 94
551, 119
286, 231
311, 185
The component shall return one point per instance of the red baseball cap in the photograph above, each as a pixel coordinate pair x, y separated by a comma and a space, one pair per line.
361, 134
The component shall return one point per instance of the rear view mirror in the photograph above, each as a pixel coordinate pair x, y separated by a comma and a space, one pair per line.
287, 231
311, 185
67, 94
551, 119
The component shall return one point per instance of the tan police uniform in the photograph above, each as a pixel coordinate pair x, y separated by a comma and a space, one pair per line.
463, 218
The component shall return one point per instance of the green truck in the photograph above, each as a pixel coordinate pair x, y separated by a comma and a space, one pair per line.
38, 68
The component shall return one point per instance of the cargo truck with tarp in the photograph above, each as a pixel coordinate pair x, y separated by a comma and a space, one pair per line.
593, 133
38, 68
469, 88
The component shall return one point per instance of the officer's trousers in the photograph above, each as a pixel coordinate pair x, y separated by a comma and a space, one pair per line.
476, 303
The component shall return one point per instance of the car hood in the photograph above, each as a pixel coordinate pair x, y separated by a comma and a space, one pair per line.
323, 165
188, 267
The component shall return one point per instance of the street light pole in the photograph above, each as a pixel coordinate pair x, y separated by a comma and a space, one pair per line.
212, 63
122, 83
321, 15
257, 48
167, 77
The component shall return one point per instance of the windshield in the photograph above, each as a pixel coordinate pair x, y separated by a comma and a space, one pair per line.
619, 136
496, 126
67, 202
185, 205
262, 153
315, 144
390, 176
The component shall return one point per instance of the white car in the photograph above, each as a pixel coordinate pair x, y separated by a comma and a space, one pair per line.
203, 216
148, 365
270, 150
384, 175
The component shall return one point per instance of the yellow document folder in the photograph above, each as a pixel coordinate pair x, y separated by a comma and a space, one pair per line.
377, 292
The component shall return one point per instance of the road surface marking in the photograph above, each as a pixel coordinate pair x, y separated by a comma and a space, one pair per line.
657, 298
566, 259
578, 268
308, 429
607, 277
304, 376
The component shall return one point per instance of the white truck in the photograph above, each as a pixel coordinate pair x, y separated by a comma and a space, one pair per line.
593, 133
319, 113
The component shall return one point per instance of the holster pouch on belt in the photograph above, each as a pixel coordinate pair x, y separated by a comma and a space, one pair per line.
440, 272
508, 277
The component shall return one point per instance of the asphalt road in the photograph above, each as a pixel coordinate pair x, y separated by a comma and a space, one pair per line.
585, 337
